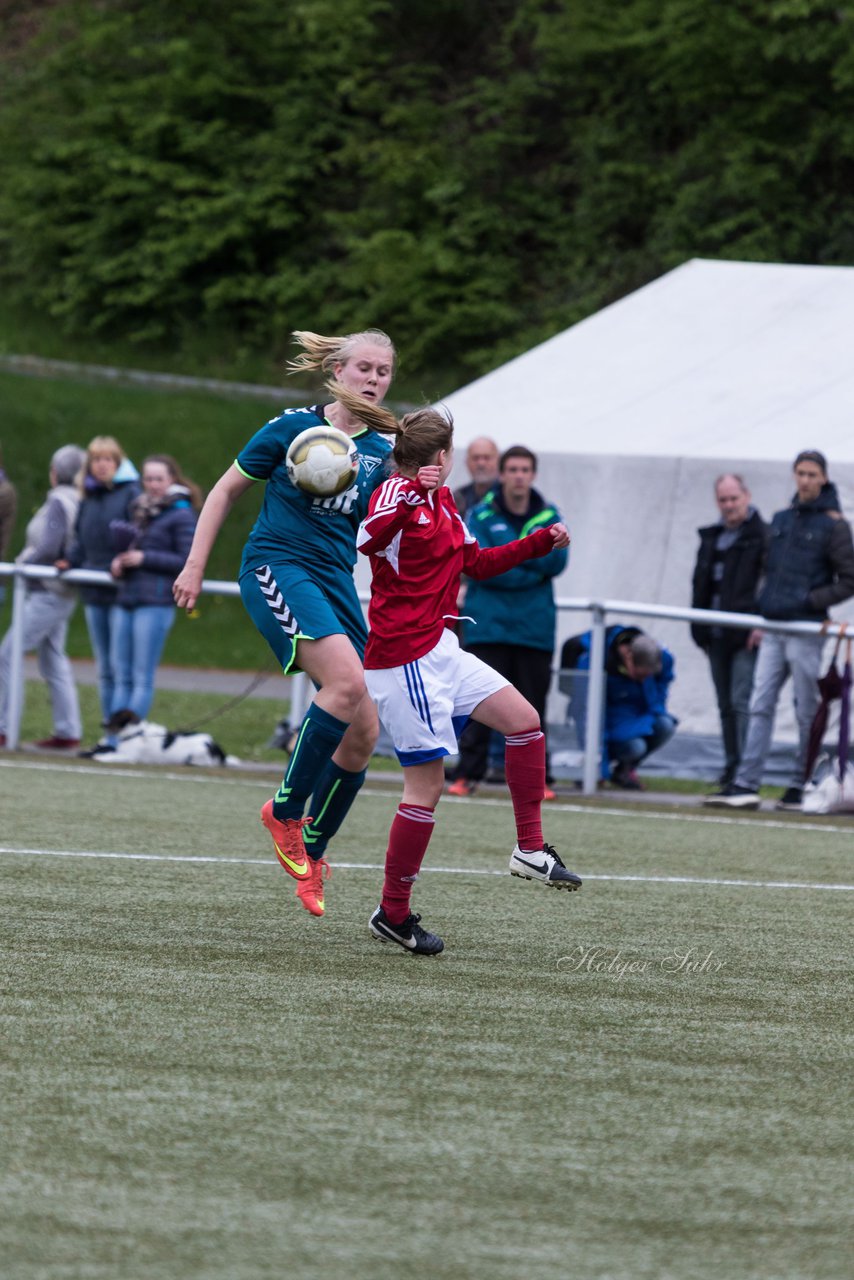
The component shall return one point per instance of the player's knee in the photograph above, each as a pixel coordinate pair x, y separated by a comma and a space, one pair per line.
363, 735
525, 720
347, 690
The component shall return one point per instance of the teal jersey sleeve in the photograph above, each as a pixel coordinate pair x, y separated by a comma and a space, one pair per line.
266, 450
293, 527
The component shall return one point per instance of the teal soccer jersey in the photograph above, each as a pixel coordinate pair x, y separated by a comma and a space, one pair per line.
294, 527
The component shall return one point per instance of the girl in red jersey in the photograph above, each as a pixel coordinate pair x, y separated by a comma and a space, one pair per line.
424, 685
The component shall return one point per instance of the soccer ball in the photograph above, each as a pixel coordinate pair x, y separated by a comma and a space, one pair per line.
322, 461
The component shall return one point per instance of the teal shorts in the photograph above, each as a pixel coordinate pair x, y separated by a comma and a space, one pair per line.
287, 604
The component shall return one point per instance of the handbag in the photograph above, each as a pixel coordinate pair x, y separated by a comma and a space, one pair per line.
833, 791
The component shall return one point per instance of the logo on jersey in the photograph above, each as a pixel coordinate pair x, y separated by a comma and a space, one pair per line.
369, 463
422, 518
342, 502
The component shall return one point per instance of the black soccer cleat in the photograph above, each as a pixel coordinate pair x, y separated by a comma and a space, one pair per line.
409, 934
543, 865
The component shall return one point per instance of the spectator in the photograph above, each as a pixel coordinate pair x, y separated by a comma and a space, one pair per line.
726, 578
50, 604
482, 463
636, 721
109, 486
8, 511
513, 627
154, 548
810, 567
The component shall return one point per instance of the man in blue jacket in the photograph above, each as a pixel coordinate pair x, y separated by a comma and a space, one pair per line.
810, 567
636, 722
513, 615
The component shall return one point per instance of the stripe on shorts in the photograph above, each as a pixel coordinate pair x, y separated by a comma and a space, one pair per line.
271, 593
417, 692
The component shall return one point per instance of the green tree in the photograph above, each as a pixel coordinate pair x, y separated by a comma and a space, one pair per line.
471, 176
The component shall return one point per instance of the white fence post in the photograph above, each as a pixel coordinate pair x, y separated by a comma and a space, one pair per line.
595, 703
15, 700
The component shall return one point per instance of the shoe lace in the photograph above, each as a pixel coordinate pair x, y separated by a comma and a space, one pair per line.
552, 853
294, 827
323, 871
411, 923
313, 884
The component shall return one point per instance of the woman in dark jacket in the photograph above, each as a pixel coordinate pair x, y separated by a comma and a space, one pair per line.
151, 551
110, 483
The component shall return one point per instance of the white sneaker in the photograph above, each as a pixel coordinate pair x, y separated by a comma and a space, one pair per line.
543, 865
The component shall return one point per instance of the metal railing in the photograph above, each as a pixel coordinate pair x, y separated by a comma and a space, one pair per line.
301, 689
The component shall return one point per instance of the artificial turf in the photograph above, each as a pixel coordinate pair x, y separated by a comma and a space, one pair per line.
643, 1079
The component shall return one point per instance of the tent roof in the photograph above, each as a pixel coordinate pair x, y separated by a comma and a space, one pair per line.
733, 360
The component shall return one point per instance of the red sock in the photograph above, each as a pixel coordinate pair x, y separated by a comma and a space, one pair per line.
408, 839
525, 766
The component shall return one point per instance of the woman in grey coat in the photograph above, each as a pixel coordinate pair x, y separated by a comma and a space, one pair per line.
49, 605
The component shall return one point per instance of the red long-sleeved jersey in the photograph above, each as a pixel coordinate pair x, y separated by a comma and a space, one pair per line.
419, 547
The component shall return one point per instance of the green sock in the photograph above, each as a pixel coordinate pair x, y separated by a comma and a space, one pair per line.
330, 804
317, 739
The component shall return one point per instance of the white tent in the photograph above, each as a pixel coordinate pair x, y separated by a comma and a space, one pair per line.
633, 412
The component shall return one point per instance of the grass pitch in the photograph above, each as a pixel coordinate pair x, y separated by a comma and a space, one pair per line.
643, 1079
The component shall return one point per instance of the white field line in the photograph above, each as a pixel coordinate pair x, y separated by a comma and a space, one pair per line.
686, 815
16, 851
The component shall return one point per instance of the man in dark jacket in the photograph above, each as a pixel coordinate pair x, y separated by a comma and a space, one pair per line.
514, 615
810, 567
726, 578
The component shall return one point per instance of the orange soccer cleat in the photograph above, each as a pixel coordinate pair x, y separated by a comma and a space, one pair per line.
287, 841
310, 890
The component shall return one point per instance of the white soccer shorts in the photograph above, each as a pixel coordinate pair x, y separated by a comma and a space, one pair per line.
425, 704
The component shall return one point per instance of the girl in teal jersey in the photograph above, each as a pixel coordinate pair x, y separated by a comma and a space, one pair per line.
296, 580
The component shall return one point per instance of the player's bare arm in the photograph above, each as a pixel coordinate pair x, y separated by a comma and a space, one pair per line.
220, 500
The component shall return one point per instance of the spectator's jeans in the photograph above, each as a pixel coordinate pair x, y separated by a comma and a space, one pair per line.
631, 751
46, 616
780, 657
138, 637
98, 622
732, 673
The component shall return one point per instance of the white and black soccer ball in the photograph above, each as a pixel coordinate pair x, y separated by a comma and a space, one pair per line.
322, 461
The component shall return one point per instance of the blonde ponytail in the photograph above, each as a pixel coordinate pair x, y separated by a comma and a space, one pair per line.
320, 352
